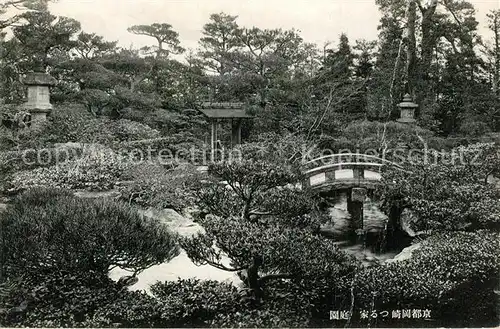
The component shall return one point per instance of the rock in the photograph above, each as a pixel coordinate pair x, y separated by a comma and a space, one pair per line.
176, 222
3, 206
405, 254
128, 280
202, 168
70, 145
494, 180
407, 218
94, 195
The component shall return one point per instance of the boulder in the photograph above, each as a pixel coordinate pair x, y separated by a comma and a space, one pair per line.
408, 217
176, 222
405, 254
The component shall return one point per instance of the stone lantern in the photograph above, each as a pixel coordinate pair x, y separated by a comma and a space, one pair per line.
407, 110
38, 104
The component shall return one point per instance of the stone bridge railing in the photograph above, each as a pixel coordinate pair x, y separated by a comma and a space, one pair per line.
345, 170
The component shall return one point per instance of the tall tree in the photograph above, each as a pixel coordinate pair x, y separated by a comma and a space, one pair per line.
219, 39
43, 33
267, 58
411, 48
8, 5
91, 46
339, 64
336, 81
429, 38
388, 71
168, 43
167, 38
364, 58
494, 25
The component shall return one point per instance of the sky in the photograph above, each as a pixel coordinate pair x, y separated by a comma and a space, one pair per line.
319, 21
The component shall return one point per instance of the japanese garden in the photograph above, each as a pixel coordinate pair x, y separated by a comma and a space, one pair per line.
257, 180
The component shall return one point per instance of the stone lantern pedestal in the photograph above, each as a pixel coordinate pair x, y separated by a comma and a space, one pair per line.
407, 110
38, 104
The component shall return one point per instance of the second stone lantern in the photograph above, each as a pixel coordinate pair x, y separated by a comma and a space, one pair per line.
407, 108
38, 104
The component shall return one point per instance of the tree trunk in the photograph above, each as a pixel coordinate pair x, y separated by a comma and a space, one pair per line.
428, 44
411, 49
428, 39
496, 73
253, 277
156, 70
395, 235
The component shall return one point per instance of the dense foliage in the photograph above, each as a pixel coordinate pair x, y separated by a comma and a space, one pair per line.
447, 191
267, 228
291, 85
452, 274
126, 119
95, 169
155, 186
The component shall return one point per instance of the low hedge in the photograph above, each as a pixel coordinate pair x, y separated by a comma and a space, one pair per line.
64, 300
11, 161
175, 148
46, 229
194, 303
94, 171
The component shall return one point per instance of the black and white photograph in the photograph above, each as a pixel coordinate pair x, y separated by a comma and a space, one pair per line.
250, 163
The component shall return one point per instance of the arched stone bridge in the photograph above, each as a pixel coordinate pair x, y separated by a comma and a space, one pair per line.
350, 172
345, 171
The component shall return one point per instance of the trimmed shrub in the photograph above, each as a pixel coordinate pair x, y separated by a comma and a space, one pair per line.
131, 309
11, 161
61, 300
474, 128
45, 230
127, 130
72, 122
82, 300
156, 187
108, 132
263, 317
68, 121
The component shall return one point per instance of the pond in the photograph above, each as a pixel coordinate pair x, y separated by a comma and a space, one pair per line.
182, 267
371, 250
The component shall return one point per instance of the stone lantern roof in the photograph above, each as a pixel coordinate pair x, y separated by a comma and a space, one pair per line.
39, 79
407, 102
